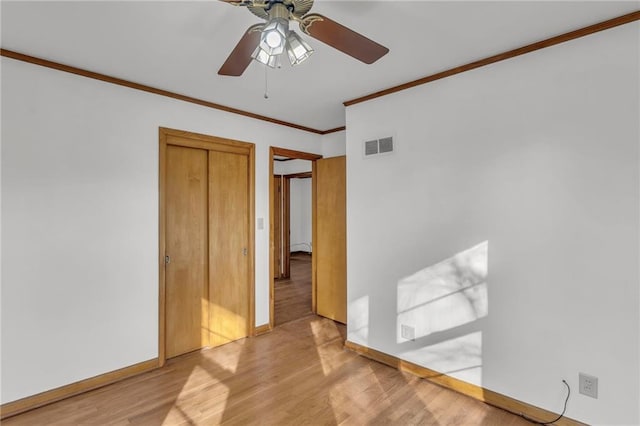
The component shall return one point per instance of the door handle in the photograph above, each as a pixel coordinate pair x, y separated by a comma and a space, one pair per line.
244, 251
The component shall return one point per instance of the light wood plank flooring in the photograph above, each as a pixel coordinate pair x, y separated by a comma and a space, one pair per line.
293, 294
299, 374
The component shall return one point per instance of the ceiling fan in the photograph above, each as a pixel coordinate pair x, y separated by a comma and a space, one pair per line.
267, 41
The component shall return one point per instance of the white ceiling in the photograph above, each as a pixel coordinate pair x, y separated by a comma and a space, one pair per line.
179, 46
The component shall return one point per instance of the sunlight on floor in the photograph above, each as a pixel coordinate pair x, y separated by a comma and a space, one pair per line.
227, 356
356, 401
325, 331
191, 403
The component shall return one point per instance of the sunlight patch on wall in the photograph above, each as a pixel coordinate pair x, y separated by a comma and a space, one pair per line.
358, 320
460, 357
445, 295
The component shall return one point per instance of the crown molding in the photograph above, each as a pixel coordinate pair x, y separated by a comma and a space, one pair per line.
572, 35
144, 88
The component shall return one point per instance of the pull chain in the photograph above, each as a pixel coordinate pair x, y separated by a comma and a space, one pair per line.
266, 84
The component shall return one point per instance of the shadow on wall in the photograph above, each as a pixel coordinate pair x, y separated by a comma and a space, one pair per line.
434, 307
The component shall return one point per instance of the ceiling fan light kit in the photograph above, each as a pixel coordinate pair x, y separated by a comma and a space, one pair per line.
275, 36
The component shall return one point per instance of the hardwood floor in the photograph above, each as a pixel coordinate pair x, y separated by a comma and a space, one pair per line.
299, 374
293, 294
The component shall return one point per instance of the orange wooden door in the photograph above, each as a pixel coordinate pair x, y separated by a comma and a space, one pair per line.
186, 268
330, 239
229, 257
277, 226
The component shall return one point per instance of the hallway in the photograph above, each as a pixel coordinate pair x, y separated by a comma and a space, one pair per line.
293, 294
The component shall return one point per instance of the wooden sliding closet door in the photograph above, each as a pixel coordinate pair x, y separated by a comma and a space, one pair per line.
206, 241
187, 271
229, 252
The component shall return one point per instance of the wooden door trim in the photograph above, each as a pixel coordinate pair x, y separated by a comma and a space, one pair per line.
281, 211
277, 226
286, 226
210, 143
252, 239
298, 155
272, 243
162, 178
301, 175
314, 237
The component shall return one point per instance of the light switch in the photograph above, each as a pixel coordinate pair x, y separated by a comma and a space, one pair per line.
260, 223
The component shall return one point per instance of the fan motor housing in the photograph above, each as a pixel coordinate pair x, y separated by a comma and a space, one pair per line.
297, 8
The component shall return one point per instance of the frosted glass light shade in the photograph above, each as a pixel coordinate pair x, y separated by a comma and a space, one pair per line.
263, 57
274, 36
297, 49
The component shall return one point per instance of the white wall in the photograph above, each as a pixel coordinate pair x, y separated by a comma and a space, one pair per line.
536, 159
334, 144
291, 166
300, 215
79, 221
299, 203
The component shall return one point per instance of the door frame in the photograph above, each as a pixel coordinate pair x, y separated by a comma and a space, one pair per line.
281, 212
286, 184
297, 155
167, 137
284, 217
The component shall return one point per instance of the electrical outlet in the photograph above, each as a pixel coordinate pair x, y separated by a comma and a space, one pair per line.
408, 332
588, 385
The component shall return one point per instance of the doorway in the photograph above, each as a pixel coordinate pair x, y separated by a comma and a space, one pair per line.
206, 241
292, 237
290, 260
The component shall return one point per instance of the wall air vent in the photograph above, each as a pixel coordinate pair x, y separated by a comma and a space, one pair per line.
371, 147
378, 146
385, 145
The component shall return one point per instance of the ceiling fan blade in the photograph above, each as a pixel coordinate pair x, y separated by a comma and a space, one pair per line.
237, 2
240, 57
342, 38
